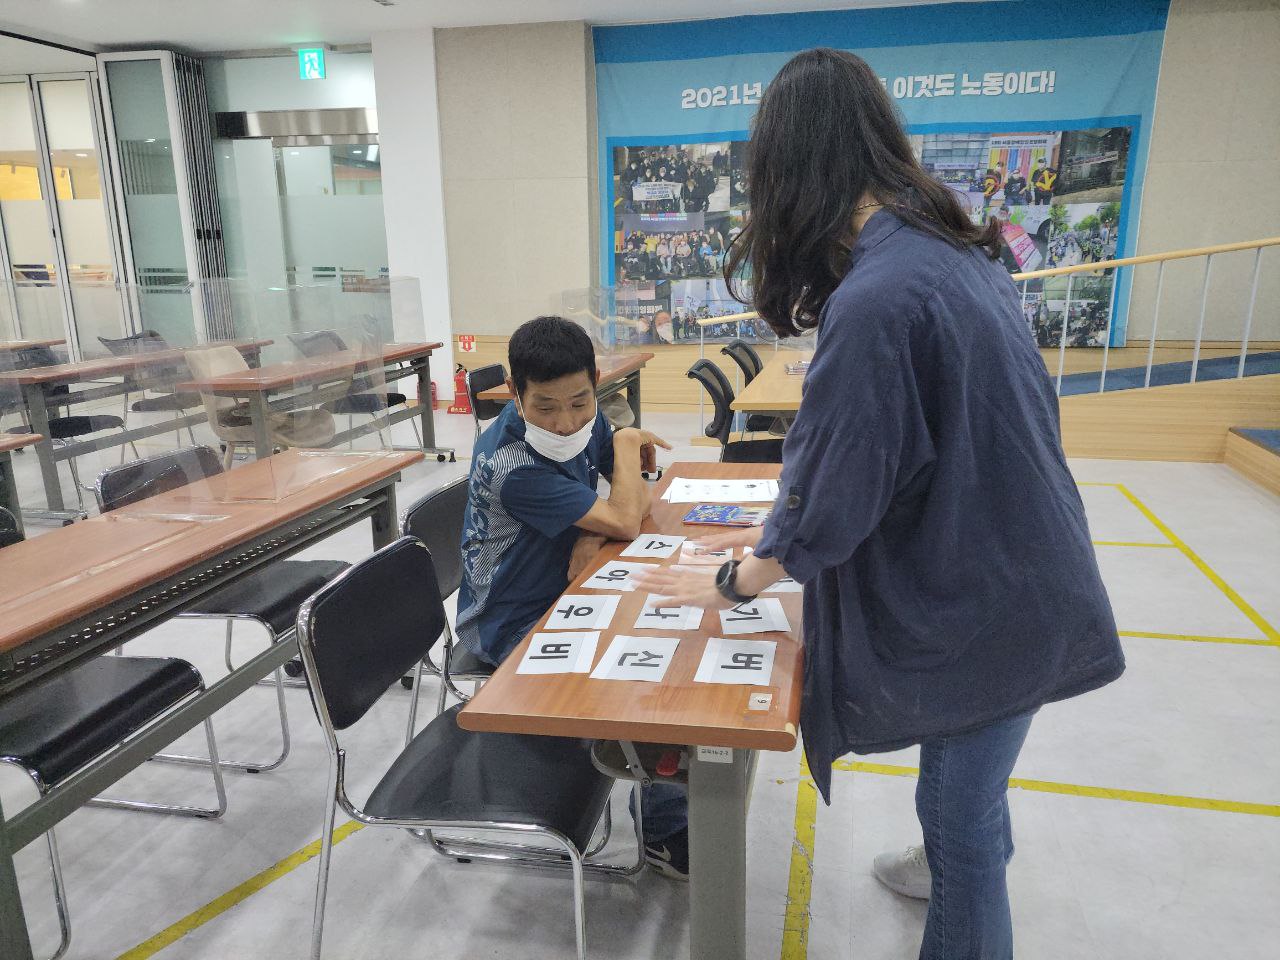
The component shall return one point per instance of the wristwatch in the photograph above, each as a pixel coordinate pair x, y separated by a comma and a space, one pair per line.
727, 583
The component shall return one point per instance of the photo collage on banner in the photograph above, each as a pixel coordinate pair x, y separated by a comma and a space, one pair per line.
1043, 126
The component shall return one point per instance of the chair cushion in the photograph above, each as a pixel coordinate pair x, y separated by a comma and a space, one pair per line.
448, 773
465, 664
273, 593
365, 402
168, 401
753, 451
58, 725
65, 428
759, 422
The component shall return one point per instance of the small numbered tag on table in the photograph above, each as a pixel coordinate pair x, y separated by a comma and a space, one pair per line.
588, 612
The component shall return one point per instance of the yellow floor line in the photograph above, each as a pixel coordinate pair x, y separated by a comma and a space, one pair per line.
212, 909
1077, 790
1248, 641
795, 924
1270, 632
1134, 543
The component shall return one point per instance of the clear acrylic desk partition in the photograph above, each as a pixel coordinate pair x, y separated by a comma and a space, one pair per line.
280, 389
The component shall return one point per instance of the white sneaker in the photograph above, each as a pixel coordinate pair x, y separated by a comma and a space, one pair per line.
906, 873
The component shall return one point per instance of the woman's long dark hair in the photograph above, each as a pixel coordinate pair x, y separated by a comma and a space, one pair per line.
826, 135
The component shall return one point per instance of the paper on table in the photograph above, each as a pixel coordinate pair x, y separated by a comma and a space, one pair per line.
616, 576
636, 658
684, 490
690, 552
582, 612
560, 653
654, 546
737, 661
785, 585
658, 616
760, 615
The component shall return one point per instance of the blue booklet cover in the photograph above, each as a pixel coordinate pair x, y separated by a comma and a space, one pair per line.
727, 516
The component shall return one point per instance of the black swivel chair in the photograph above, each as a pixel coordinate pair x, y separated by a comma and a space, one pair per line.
360, 633
269, 596
319, 343
749, 362
437, 520
64, 428
163, 402
479, 380
718, 387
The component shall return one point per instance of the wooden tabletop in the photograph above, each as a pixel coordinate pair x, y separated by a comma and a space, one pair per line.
774, 390
677, 710
279, 376
16, 441
608, 370
70, 572
82, 370
7, 345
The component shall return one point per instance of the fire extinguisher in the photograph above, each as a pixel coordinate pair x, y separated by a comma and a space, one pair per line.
461, 401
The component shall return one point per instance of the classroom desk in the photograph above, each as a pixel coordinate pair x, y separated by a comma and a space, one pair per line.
613, 374
142, 370
7, 346
329, 378
77, 592
676, 711
10, 442
774, 390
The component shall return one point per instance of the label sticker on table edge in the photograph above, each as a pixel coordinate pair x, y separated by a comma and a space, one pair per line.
715, 754
760, 701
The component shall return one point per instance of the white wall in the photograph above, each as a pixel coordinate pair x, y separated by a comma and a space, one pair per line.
1214, 164
272, 83
413, 202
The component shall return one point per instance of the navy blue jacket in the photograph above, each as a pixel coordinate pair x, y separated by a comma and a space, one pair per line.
926, 506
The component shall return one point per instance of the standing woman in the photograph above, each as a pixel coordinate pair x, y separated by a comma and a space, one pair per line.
950, 586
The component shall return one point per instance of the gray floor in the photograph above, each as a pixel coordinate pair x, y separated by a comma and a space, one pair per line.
1127, 876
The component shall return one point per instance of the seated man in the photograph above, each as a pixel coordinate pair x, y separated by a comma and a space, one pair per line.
534, 519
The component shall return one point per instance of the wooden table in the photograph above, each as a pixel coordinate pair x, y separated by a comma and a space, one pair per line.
774, 390
8, 346
9, 442
141, 370
675, 711
77, 592
613, 374
329, 378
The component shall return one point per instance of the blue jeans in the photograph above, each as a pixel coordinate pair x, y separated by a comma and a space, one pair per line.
962, 802
666, 811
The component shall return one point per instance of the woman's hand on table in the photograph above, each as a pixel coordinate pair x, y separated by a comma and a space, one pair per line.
741, 537
684, 587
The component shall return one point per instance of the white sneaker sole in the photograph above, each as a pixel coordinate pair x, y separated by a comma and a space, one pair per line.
666, 869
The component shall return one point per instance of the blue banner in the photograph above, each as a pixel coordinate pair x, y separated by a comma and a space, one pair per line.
1036, 112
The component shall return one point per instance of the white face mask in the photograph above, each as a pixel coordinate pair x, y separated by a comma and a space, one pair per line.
552, 445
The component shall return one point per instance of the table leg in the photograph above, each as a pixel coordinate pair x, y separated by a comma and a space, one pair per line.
427, 416
38, 417
718, 798
386, 521
258, 416
633, 395
15, 942
9, 490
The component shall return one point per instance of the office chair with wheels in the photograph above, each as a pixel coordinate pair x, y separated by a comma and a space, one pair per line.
356, 636
749, 362
732, 450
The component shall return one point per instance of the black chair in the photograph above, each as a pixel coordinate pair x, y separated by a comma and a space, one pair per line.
164, 402
749, 362
269, 596
10, 529
64, 428
367, 628
319, 343
720, 428
479, 380
55, 727
437, 521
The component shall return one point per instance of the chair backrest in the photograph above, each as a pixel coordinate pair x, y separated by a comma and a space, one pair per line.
25, 358
139, 479
748, 361
486, 378
134, 344
368, 627
208, 362
436, 520
717, 385
9, 532
317, 343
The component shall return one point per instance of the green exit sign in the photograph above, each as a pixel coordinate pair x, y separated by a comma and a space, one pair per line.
311, 64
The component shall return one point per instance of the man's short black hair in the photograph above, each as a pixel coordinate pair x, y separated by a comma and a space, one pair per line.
547, 348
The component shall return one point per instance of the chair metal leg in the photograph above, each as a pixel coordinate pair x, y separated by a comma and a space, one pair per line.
75, 480
229, 456
190, 433
322, 871
417, 434
55, 867
413, 704
124, 417
203, 813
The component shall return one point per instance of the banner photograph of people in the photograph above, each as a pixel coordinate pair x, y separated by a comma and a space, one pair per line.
1058, 196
